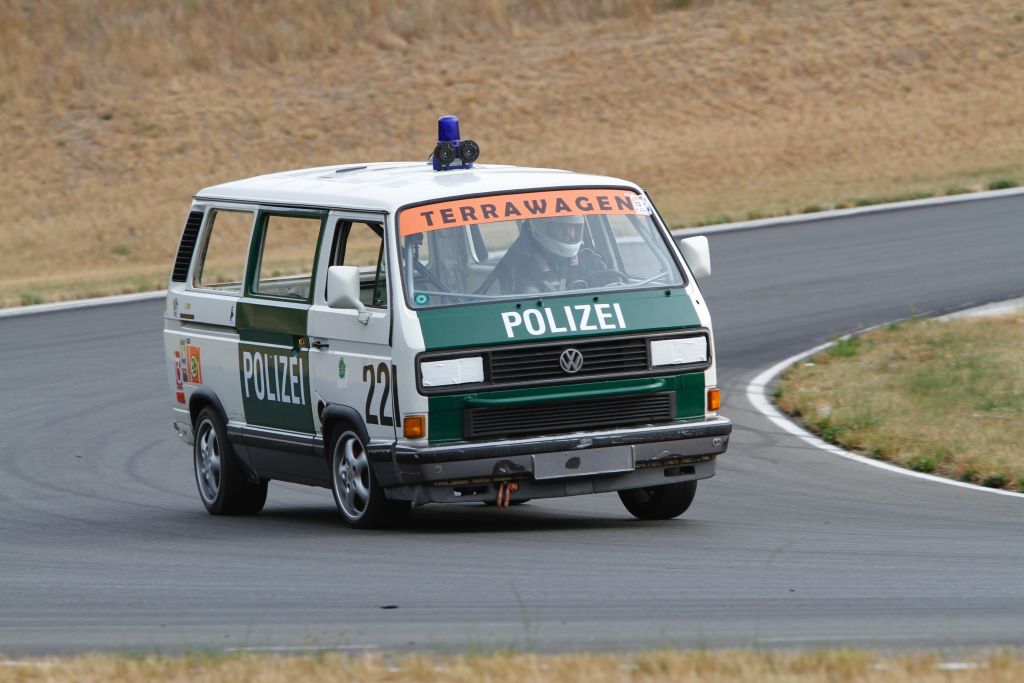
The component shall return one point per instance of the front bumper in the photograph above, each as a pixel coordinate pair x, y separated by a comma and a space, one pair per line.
583, 462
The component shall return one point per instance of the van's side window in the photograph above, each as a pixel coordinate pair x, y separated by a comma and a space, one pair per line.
362, 244
222, 260
287, 255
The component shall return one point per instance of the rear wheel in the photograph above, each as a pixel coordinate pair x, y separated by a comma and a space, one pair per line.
659, 502
360, 499
224, 486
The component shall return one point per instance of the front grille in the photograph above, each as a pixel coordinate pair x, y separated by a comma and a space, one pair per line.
534, 364
568, 416
604, 357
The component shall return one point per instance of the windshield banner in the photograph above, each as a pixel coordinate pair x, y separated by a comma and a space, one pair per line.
507, 207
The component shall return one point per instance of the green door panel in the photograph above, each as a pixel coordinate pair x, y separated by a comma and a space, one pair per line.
273, 362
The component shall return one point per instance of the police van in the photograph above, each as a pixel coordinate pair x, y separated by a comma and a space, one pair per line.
441, 332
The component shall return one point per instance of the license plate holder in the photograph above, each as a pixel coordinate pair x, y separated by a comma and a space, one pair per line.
581, 463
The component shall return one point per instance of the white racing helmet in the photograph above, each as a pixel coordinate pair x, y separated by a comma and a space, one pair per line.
561, 235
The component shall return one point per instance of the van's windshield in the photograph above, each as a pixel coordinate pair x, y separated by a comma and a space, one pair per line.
513, 245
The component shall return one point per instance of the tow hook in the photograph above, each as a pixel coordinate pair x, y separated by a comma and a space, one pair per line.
505, 491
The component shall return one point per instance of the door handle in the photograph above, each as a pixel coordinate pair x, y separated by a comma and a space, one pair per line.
317, 344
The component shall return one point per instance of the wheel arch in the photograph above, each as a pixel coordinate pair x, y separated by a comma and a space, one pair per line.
203, 398
335, 416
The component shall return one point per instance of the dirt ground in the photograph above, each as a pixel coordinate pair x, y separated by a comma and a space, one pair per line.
114, 113
725, 666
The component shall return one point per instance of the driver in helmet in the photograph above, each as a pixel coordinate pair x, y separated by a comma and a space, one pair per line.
551, 257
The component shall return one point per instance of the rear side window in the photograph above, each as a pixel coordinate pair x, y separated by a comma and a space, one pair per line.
287, 256
226, 246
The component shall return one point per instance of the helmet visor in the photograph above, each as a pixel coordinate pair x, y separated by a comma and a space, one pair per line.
568, 229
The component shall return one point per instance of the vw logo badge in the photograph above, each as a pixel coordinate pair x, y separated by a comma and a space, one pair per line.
571, 360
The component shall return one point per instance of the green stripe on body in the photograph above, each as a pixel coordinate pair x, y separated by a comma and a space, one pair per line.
446, 411
484, 324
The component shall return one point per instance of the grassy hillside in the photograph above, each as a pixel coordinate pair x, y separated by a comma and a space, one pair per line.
114, 112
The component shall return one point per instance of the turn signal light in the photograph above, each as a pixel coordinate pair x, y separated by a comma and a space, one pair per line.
714, 400
414, 426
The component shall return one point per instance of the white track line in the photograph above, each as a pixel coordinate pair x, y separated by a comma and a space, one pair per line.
854, 211
81, 303
757, 394
706, 230
302, 648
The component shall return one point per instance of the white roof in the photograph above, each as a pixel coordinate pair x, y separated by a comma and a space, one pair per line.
388, 186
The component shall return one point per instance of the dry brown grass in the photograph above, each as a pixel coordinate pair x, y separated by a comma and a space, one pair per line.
836, 666
112, 113
942, 397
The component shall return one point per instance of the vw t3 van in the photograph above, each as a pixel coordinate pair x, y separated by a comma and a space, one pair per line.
441, 332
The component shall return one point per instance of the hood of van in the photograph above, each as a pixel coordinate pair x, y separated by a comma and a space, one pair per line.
550, 318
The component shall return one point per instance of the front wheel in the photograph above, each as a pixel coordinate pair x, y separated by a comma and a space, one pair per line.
659, 502
224, 486
360, 499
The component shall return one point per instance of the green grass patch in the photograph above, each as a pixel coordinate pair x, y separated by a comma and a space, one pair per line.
846, 347
1003, 184
937, 397
31, 299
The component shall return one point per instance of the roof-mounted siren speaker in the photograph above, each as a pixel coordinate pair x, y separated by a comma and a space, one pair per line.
451, 151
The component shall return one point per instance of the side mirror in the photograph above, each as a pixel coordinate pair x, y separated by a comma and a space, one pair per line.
343, 290
697, 254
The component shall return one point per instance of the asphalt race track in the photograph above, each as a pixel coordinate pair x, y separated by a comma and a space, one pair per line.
105, 544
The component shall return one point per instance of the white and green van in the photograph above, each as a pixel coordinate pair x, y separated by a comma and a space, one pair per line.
441, 332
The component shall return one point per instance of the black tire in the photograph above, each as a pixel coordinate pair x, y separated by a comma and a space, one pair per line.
360, 499
659, 502
224, 486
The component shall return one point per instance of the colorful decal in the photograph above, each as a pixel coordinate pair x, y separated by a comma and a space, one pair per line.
505, 207
641, 205
189, 364
342, 377
421, 299
555, 320
195, 366
178, 383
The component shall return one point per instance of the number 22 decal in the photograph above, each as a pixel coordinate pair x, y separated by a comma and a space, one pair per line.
387, 377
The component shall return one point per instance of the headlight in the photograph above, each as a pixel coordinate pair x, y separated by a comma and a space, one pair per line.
679, 351
443, 373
